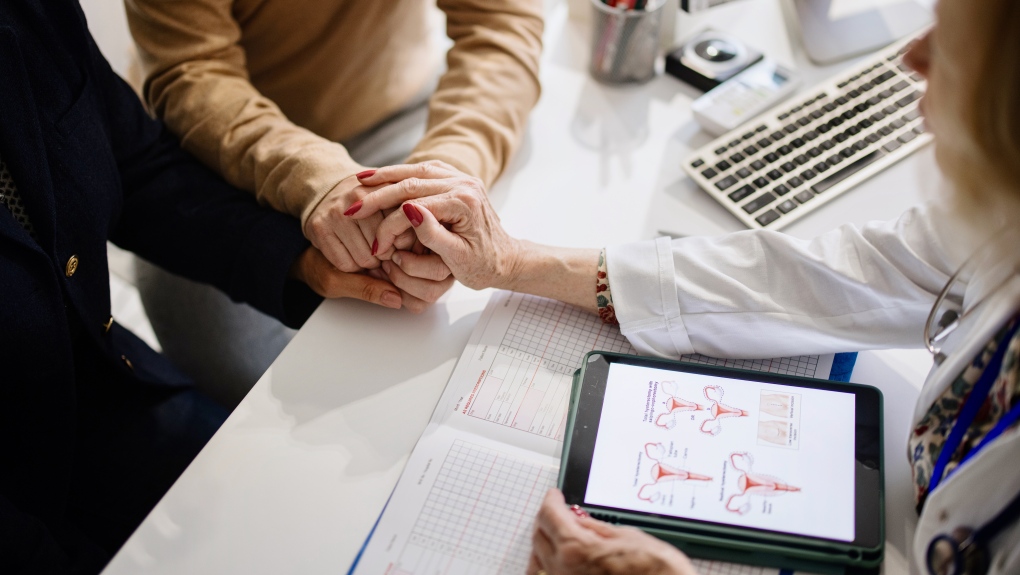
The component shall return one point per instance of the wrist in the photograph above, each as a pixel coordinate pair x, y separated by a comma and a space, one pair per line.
516, 266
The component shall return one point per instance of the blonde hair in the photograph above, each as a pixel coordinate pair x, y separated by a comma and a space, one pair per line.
990, 178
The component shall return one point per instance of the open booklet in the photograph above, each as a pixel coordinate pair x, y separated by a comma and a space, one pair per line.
466, 501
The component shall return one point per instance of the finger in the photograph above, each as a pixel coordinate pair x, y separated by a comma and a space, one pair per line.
337, 254
425, 290
330, 282
554, 518
405, 241
600, 528
542, 548
425, 215
364, 239
354, 241
430, 170
421, 266
393, 195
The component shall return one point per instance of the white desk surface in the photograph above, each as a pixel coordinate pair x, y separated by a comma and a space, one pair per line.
294, 480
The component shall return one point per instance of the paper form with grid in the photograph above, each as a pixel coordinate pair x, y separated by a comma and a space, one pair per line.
467, 498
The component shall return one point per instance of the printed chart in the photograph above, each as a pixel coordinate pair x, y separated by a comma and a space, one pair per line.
527, 386
479, 515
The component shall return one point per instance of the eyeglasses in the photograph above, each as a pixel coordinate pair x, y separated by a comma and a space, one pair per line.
957, 554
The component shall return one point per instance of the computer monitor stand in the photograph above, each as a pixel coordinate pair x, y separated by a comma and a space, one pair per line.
829, 38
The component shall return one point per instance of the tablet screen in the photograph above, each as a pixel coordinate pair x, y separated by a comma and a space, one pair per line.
728, 451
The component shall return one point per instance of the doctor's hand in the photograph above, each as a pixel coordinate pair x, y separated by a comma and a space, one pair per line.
571, 543
451, 215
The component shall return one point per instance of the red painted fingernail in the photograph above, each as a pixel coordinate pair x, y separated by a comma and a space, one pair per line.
413, 215
365, 174
353, 209
375, 246
578, 511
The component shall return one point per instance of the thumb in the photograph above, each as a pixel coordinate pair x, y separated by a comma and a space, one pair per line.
431, 233
365, 287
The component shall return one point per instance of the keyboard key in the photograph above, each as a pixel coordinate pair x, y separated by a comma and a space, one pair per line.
859, 146
709, 173
842, 84
899, 86
720, 151
796, 109
723, 165
849, 114
884, 77
697, 163
775, 174
874, 101
885, 130
801, 160
761, 182
797, 143
840, 138
847, 152
771, 157
906, 137
760, 128
908, 99
794, 182
757, 165
764, 143
786, 206
884, 94
835, 122
784, 150
827, 145
767, 218
842, 101
808, 174
804, 121
862, 107
790, 128
741, 193
834, 159
750, 151
821, 167
780, 190
734, 143
919, 129
748, 136
759, 202
890, 110
737, 158
891, 146
847, 171
814, 152
817, 114
743, 172
912, 115
783, 116
823, 128
789, 167
877, 117
726, 182
829, 107
852, 131
854, 94
804, 196
897, 124
810, 135
776, 136
865, 87
873, 138
864, 124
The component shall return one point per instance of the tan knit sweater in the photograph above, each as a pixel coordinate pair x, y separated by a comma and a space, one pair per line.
261, 90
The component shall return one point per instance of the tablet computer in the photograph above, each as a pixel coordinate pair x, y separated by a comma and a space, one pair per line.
729, 464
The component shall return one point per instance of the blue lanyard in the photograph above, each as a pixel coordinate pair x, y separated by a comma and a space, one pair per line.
969, 411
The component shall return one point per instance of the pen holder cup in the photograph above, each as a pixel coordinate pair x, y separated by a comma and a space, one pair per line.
625, 43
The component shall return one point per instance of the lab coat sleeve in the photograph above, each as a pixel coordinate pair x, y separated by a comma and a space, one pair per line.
760, 294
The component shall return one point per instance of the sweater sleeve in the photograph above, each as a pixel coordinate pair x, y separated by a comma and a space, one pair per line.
197, 83
760, 294
479, 110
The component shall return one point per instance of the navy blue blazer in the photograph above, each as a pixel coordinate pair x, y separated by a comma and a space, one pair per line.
91, 165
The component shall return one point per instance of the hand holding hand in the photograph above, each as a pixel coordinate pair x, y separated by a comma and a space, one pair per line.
451, 215
323, 278
346, 243
566, 543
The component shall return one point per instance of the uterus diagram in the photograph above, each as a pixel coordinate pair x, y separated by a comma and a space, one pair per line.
751, 484
663, 474
710, 413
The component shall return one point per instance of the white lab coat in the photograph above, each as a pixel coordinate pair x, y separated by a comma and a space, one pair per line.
760, 294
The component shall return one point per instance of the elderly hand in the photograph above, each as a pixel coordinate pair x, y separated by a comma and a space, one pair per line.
451, 215
566, 543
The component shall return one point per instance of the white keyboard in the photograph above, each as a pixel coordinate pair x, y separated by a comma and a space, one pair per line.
799, 156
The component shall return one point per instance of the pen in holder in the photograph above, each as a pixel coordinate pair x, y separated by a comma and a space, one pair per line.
625, 40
